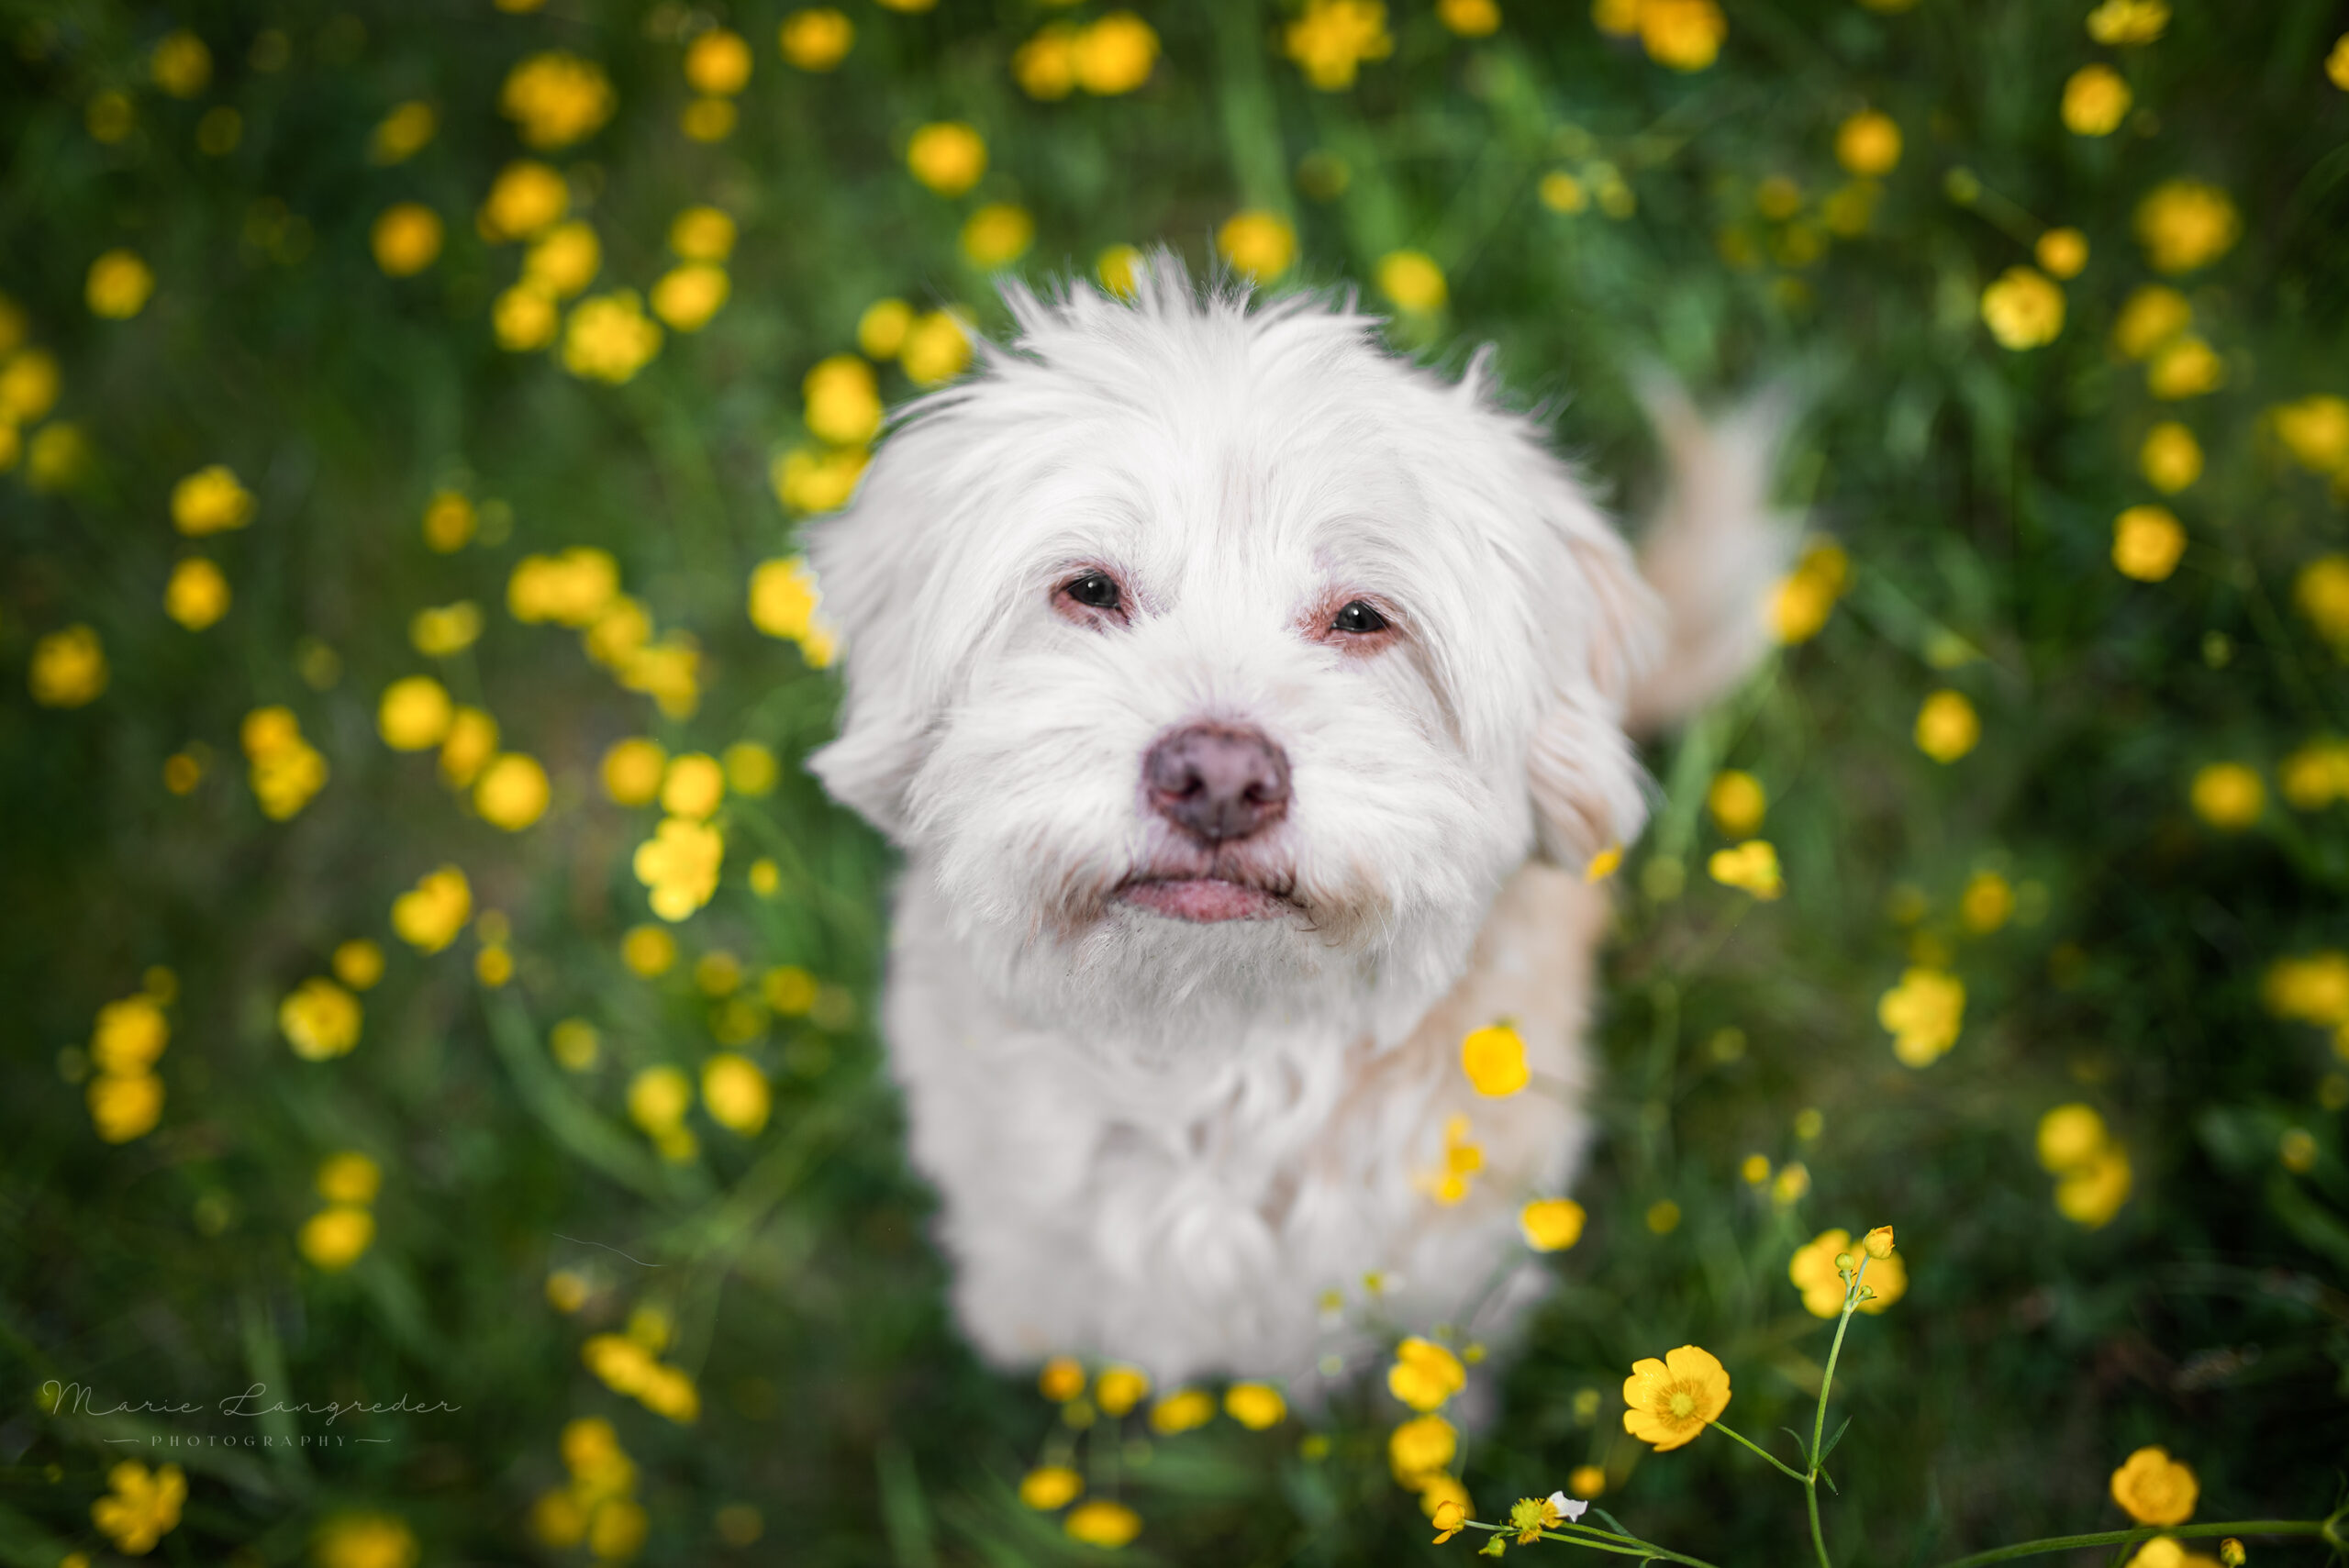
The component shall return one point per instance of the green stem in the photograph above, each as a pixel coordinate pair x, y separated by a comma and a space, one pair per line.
1819, 1418
1784, 1468
1599, 1540
2143, 1533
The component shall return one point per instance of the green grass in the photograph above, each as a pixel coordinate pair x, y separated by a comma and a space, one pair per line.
1974, 487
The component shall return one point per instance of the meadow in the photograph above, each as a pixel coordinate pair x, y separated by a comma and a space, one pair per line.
443, 1119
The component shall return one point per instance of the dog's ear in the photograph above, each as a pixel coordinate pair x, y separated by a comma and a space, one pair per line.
870, 561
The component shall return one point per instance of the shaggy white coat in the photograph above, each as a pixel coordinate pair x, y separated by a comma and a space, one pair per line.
1162, 1142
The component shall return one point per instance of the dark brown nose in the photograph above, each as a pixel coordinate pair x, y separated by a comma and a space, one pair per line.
1217, 782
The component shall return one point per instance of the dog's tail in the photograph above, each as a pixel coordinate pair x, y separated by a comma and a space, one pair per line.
1714, 550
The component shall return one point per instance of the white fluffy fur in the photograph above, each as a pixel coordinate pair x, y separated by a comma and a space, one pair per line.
1162, 1142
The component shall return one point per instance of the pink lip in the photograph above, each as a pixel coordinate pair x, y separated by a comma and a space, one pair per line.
1204, 900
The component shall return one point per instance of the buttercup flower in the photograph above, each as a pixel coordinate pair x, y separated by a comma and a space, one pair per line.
1752, 866
1449, 1516
1806, 595
1061, 1379
679, 863
2319, 592
686, 297
2151, 317
1551, 1224
124, 1106
130, 1036
444, 629
1420, 1448
2154, 1489
2185, 367
718, 63
2062, 253
286, 769
181, 64
2171, 457
320, 1019
2096, 100
119, 286
406, 238
1260, 244
512, 791
1685, 35
402, 133
428, 916
197, 594
565, 260
556, 98
526, 200
2127, 21
2023, 308
1255, 1405
817, 39
2185, 225
1923, 1013
140, 1507
736, 1092
1051, 1486
1102, 1523
1736, 801
2227, 795
2147, 542
1332, 39
1114, 55
1412, 279
948, 157
1424, 1375
1182, 1411
1814, 1273
608, 338
365, 1541
937, 348
1119, 1388
1868, 143
334, 1238
1494, 1059
210, 501
1672, 1400
1987, 904
1947, 727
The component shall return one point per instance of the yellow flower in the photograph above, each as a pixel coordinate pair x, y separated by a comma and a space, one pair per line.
2336, 64
2070, 1137
181, 64
1102, 1523
1183, 1411
471, 742
406, 238
1494, 1059
402, 134
69, 668
1045, 66
141, 1507
1947, 727
702, 234
1923, 1013
573, 589
2152, 315
119, 286
2171, 457
816, 482
750, 768
2023, 309
1424, 1375
2062, 253
687, 296
783, 598
997, 235
2127, 21
632, 770
1412, 279
818, 39
565, 260
736, 1092
1806, 595
1561, 192
2184, 224
843, 403
1449, 1516
2315, 430
1119, 1388
1737, 802
718, 63
350, 1177
210, 501
523, 318
2185, 367
2319, 592
1685, 35
526, 199
1551, 1224
948, 157
58, 457
2227, 795
1115, 54
450, 629
2297, 1150
29, 384
1877, 1243
679, 863
1255, 1405
1869, 144
1814, 1273
129, 1035
2096, 100
2316, 775
648, 951
937, 348
608, 338
512, 791
1672, 1400
286, 768
334, 1238
575, 1043
881, 329
320, 1019
1753, 865
1469, 18
1334, 37
1787, 1187
2147, 542
428, 916
1260, 244
197, 594
1604, 864
1062, 1380
1419, 1449
556, 98
365, 1541
124, 1106
1987, 903
2154, 1489
693, 786
2093, 1191
415, 714
1050, 1486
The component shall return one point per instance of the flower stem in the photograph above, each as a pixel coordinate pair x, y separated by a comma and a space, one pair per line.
1819, 1420
2131, 1537
1783, 1467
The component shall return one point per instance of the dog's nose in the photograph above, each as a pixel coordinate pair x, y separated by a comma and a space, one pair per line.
1217, 782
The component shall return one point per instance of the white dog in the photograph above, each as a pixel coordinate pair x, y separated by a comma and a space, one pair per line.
1249, 703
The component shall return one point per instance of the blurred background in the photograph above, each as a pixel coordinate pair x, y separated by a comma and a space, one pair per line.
432, 983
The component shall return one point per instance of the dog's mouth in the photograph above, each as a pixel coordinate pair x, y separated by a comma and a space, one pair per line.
1222, 894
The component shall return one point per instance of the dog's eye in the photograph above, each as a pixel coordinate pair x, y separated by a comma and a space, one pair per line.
1358, 618
1094, 590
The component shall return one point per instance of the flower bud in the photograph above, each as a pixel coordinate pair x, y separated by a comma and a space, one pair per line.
1877, 1243
2231, 1552
1493, 1546
1843, 1263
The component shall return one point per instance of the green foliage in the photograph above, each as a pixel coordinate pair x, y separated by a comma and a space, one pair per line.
1974, 487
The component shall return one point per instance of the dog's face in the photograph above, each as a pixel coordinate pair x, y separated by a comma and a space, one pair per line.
1213, 661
